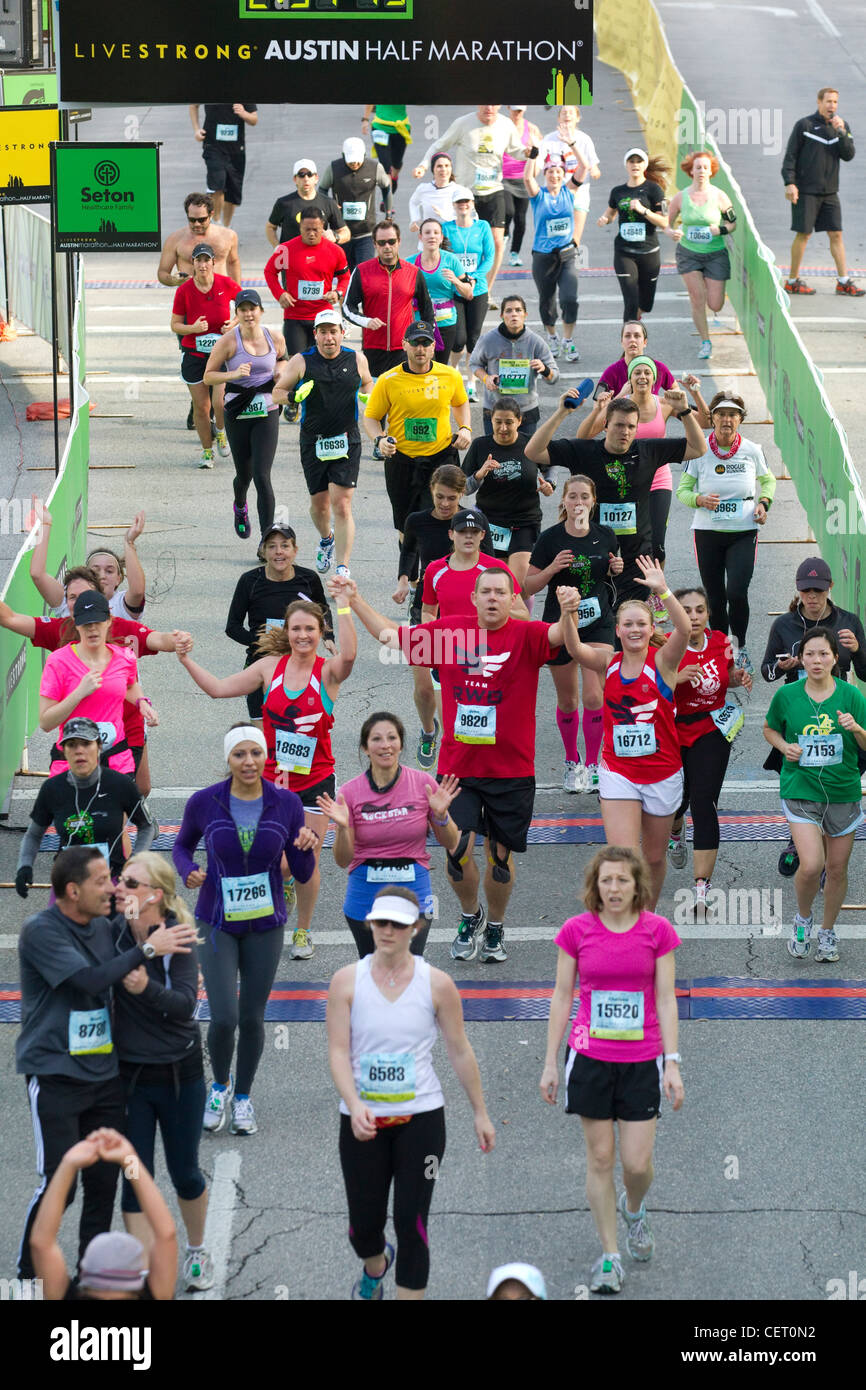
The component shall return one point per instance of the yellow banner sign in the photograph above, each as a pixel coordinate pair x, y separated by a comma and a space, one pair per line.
25, 136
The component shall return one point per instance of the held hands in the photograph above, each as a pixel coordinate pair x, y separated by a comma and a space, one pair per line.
195, 878
848, 640
440, 800
136, 980
306, 838
183, 643
617, 563
653, 574
337, 811
568, 599
342, 589
134, 531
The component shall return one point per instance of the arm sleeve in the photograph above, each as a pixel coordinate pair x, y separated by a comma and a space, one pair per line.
29, 847
766, 484
94, 979
179, 1001
353, 301
340, 276
687, 490
238, 614
789, 161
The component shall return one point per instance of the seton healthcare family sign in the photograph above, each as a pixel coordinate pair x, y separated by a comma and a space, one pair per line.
106, 197
439, 51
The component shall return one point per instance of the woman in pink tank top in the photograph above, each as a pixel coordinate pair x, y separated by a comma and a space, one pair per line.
516, 196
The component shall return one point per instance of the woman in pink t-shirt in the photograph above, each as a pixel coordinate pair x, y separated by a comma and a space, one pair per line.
382, 819
91, 679
622, 1047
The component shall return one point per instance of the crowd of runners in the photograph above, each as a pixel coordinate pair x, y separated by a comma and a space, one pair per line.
646, 689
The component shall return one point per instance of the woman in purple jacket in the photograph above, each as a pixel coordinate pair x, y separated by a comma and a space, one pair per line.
247, 826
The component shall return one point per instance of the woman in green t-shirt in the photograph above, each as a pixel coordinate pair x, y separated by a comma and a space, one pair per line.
814, 724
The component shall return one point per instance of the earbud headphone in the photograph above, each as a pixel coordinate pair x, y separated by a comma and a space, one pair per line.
151, 899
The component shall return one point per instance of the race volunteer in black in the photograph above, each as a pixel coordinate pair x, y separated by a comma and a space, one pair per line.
284, 222
810, 173
332, 376
88, 805
353, 179
262, 596
68, 965
622, 469
223, 139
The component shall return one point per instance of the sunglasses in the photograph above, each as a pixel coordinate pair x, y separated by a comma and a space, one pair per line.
193, 220
384, 922
305, 174
386, 241
133, 882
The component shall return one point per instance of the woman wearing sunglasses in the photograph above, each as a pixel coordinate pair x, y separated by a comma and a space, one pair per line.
384, 1015
159, 1050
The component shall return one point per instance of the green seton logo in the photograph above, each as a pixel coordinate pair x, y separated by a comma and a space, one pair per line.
106, 172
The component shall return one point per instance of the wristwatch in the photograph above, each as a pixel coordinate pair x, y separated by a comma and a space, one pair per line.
148, 951
687, 411
673, 1057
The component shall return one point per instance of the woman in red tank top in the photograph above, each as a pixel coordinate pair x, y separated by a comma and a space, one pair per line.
640, 773
300, 689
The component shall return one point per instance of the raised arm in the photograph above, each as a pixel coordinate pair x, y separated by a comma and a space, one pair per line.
135, 580
50, 588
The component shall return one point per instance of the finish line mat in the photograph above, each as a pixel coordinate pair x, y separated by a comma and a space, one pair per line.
517, 1001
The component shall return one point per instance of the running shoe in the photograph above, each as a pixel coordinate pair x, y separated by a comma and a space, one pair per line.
325, 553
243, 1117
465, 944
789, 861
743, 661
640, 1241
197, 1271
571, 351
592, 778
827, 948
428, 745
342, 572
607, 1275
216, 1106
290, 411
797, 287
514, 258
493, 305
851, 289
206, 460
472, 389
574, 777
706, 349
554, 344
222, 443
369, 1289
290, 897
677, 851
702, 888
799, 944
302, 944
242, 521
492, 947
190, 419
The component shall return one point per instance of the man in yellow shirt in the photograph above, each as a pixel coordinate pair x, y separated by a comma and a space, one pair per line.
416, 401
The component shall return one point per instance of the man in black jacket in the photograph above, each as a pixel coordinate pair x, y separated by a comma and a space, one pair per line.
810, 171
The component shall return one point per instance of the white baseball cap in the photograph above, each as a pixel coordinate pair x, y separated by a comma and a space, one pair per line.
328, 316
459, 194
304, 164
354, 150
528, 1275
635, 149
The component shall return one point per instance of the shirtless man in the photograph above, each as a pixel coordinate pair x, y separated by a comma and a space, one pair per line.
175, 264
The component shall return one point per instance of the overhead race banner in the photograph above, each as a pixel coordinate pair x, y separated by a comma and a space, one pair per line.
106, 197
272, 50
26, 133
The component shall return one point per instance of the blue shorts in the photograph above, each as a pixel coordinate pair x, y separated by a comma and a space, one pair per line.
365, 881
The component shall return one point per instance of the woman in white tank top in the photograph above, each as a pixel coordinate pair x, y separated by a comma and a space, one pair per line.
384, 1015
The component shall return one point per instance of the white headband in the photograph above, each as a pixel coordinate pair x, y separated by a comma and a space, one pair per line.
246, 733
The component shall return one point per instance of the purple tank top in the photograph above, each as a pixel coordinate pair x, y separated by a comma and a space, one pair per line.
261, 368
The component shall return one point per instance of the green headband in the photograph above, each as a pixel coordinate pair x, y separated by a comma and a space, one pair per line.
643, 361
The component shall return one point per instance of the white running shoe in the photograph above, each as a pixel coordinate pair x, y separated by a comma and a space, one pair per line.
574, 777
800, 945
571, 351
514, 258
677, 851
243, 1117
554, 343
222, 443
197, 1271
216, 1107
206, 460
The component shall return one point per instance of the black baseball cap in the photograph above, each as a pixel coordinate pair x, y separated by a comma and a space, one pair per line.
814, 573
203, 249
281, 528
249, 297
91, 607
469, 519
80, 728
419, 332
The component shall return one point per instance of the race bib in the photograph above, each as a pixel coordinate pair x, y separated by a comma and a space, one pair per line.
485, 181
89, 1032
420, 431
257, 407
271, 623
294, 752
698, 235
617, 1013
390, 873
380, 137
621, 517
634, 740
559, 226
311, 289
354, 212
387, 1076
444, 311
468, 260
733, 509
206, 342
729, 720
246, 897
475, 724
335, 446
633, 231
514, 376
107, 733
500, 536
820, 750
226, 132
588, 611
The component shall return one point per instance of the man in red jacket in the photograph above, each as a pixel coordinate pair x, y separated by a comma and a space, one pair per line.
305, 275
383, 297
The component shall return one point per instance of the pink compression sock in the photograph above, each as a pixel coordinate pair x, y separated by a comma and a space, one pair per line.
568, 725
592, 731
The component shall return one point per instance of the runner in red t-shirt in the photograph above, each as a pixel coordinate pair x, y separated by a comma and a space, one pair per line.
305, 275
488, 667
202, 311
707, 724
